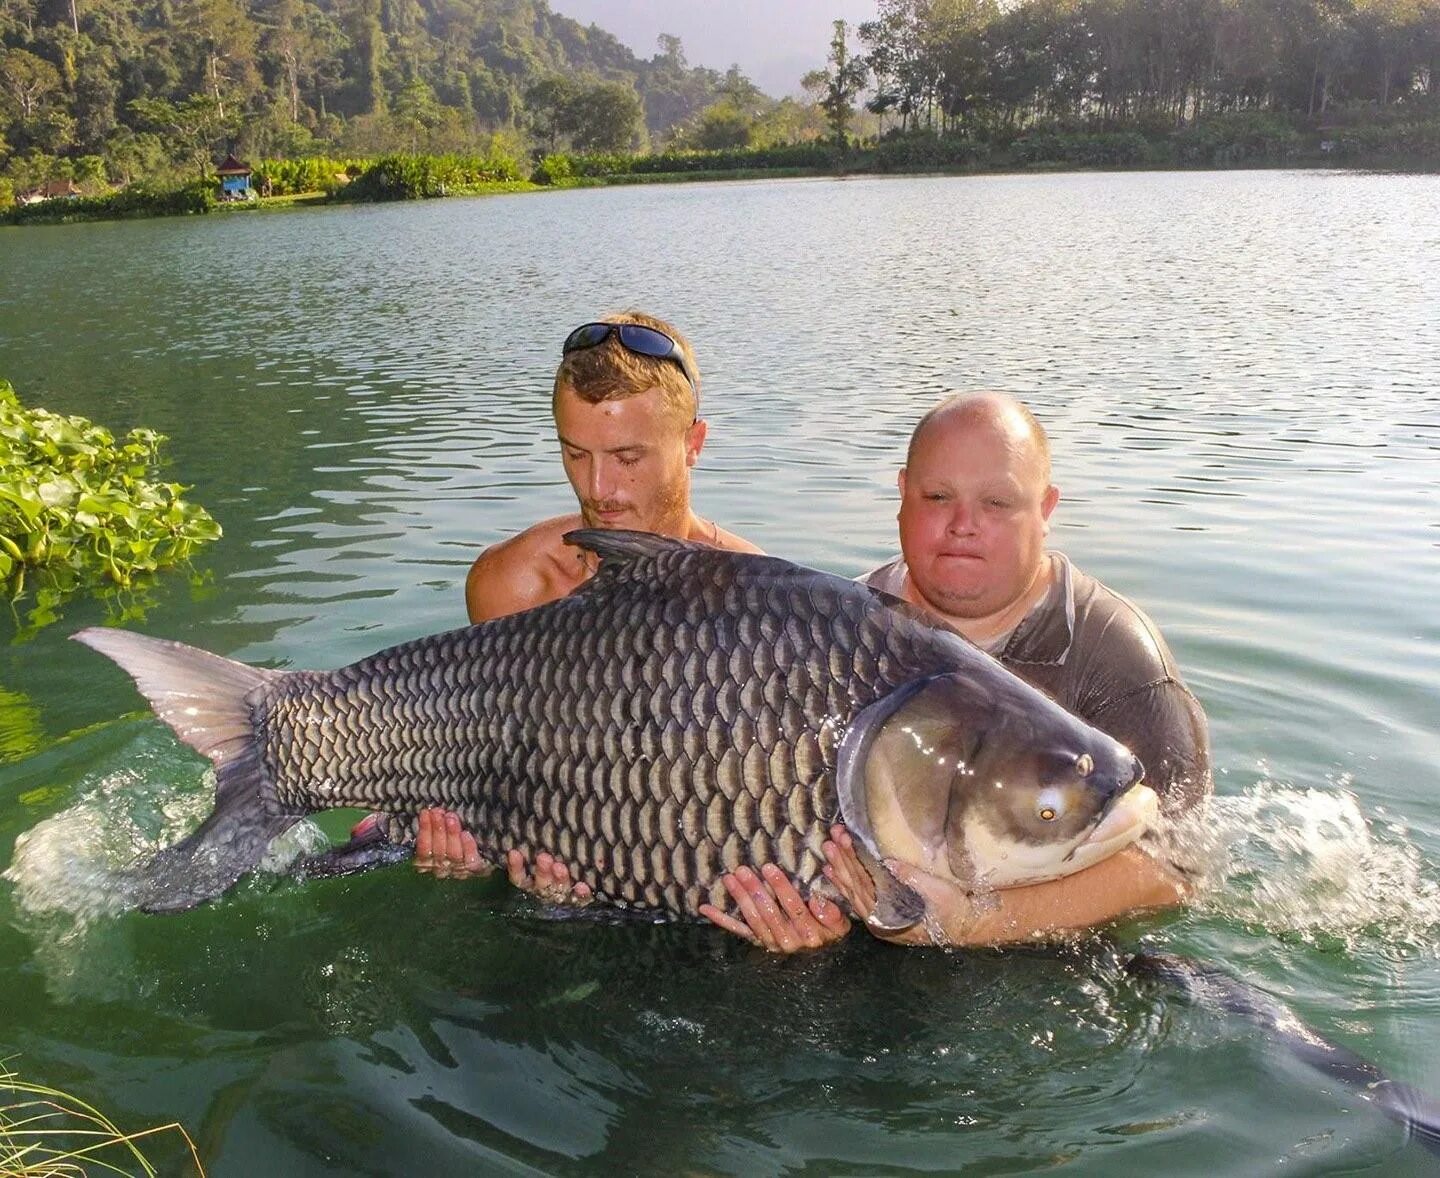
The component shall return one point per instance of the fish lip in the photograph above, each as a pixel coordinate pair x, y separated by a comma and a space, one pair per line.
1104, 812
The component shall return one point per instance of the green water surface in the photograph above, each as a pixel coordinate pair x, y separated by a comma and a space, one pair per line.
1238, 372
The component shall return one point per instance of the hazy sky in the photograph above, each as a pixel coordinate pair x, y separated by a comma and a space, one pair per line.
774, 41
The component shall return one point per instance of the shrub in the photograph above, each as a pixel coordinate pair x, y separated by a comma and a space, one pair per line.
1104, 149
553, 169
902, 153
1405, 141
1241, 137
415, 177
135, 201
84, 508
311, 174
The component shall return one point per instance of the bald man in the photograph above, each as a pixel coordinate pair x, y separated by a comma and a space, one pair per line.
976, 499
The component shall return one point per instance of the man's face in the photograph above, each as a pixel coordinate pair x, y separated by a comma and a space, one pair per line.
974, 502
628, 460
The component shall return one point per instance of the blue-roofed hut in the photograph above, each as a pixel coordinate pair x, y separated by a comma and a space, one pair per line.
234, 179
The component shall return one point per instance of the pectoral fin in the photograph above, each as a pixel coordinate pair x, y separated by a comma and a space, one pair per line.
898, 906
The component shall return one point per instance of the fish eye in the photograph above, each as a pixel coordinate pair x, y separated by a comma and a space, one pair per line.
1084, 765
1050, 805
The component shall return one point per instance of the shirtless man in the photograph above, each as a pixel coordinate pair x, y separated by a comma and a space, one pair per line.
975, 505
626, 401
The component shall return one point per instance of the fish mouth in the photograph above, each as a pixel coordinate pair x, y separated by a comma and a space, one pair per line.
1126, 816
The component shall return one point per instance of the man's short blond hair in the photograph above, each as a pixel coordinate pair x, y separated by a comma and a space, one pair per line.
991, 408
611, 372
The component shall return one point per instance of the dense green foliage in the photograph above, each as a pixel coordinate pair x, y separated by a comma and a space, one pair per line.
79, 508
980, 65
413, 177
819, 156
136, 201
388, 99
146, 88
311, 174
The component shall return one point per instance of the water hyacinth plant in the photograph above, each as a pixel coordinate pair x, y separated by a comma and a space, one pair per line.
80, 509
46, 1133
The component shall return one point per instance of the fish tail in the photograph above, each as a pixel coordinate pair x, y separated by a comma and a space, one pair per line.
208, 701
1417, 1111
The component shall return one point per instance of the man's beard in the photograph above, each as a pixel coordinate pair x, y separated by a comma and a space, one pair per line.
667, 508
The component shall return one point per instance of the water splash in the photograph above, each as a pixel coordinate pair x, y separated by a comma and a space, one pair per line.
1311, 865
81, 863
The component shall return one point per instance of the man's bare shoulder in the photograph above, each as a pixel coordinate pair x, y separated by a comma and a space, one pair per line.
733, 543
529, 569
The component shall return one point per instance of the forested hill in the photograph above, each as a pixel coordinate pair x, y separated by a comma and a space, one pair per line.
365, 75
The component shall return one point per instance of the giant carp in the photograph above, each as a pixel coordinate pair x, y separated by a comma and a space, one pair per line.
684, 712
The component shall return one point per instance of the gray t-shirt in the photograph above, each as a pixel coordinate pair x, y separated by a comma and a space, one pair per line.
1098, 655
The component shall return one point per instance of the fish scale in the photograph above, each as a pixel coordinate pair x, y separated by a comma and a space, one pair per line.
680, 720
684, 713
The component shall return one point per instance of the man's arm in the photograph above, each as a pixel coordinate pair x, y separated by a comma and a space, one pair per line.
771, 913
1164, 725
1128, 882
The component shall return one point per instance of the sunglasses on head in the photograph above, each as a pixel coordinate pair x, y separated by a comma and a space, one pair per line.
633, 337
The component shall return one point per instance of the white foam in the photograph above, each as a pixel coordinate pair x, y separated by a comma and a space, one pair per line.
1311, 863
81, 862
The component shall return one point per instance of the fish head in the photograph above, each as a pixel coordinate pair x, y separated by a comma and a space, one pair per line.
1043, 796
981, 779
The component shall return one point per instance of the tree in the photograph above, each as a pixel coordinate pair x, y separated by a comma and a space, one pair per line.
604, 117
294, 43
367, 54
191, 127
226, 38
27, 83
722, 125
672, 52
740, 91
549, 102
415, 110
904, 79
839, 84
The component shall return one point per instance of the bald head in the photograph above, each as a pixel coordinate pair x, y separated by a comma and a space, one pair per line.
975, 504
995, 413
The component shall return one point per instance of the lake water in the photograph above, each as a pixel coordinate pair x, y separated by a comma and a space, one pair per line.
1239, 374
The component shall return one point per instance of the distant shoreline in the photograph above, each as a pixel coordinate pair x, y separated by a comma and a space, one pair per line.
72, 211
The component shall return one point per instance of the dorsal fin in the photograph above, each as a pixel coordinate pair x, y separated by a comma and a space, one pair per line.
622, 546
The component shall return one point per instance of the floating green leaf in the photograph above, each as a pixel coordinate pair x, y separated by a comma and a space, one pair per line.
79, 510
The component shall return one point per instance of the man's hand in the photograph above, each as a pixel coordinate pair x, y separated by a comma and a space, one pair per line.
772, 914
550, 881
948, 903
446, 849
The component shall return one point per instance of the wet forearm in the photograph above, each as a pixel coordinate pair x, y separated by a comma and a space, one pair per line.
1127, 882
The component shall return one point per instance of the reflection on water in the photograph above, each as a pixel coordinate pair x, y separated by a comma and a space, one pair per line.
19, 726
1237, 373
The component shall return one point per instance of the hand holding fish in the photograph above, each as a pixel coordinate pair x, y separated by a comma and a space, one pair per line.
549, 881
948, 904
445, 848
773, 915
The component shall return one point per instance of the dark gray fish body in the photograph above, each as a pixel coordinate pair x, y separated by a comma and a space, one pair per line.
683, 713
